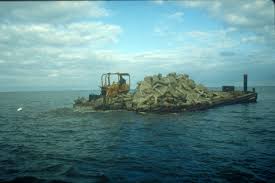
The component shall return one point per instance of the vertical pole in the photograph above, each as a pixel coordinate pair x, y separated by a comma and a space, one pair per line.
245, 82
274, 12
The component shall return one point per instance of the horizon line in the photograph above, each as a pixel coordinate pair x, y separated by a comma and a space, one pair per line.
63, 90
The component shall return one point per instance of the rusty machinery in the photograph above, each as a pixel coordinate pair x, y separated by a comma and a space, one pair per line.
121, 84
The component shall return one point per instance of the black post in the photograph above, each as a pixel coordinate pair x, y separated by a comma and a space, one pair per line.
274, 12
245, 82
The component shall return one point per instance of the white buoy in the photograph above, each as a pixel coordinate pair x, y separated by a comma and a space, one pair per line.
19, 109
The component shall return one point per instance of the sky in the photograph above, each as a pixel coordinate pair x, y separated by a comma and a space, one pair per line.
68, 45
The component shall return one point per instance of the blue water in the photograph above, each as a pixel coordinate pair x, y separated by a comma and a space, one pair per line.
48, 141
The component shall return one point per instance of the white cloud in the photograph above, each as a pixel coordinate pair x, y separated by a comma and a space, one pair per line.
159, 2
253, 39
63, 44
249, 14
252, 19
55, 12
178, 16
168, 24
53, 75
162, 30
80, 65
54, 44
85, 34
198, 34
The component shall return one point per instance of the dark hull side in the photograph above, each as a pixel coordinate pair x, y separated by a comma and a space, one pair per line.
239, 99
229, 98
234, 98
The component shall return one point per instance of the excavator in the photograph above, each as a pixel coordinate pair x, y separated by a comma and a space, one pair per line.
113, 84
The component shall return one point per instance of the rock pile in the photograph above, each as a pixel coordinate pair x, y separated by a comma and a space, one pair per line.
171, 93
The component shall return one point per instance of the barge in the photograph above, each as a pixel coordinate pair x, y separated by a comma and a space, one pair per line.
158, 94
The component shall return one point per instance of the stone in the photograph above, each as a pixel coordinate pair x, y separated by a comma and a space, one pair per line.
80, 100
159, 76
173, 92
148, 79
117, 106
99, 103
129, 105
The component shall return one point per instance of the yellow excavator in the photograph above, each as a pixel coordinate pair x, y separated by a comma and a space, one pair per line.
113, 84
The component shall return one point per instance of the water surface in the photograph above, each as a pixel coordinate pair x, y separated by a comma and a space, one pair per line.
49, 141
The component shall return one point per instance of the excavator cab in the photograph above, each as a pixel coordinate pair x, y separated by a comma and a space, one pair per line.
113, 84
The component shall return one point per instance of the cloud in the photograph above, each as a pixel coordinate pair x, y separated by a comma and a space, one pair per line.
227, 53
255, 16
54, 44
162, 30
178, 16
246, 14
168, 23
253, 39
158, 2
65, 44
73, 34
76, 67
54, 74
198, 34
54, 12
51, 66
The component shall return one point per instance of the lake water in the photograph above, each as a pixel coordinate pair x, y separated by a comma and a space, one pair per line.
48, 141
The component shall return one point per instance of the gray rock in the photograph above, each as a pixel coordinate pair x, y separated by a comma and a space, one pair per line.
171, 91
117, 106
157, 93
148, 79
80, 100
129, 105
99, 103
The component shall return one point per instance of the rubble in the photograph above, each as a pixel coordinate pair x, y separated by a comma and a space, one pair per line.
170, 93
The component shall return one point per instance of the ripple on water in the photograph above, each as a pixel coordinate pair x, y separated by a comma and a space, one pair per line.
49, 140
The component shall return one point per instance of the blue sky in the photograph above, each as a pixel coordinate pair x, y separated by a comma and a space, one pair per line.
68, 45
